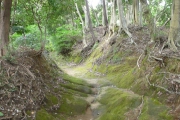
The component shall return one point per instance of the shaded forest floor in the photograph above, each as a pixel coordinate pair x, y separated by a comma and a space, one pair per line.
113, 80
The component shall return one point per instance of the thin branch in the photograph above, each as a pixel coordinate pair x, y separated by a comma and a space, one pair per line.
29, 72
158, 59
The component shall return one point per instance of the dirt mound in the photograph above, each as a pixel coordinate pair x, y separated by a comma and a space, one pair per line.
25, 78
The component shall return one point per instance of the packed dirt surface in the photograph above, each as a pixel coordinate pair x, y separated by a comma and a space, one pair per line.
91, 112
99, 89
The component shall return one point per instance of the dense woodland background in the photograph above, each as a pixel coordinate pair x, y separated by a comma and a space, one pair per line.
60, 24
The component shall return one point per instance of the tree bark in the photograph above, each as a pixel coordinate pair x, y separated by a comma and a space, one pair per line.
129, 15
5, 25
136, 12
174, 33
123, 20
113, 20
107, 8
86, 25
83, 27
96, 16
105, 14
149, 19
89, 22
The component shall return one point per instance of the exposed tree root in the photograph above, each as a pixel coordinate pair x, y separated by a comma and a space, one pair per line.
140, 107
158, 86
139, 60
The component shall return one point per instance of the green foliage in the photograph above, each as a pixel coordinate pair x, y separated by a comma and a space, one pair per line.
43, 115
1, 114
161, 9
18, 29
9, 58
64, 38
31, 39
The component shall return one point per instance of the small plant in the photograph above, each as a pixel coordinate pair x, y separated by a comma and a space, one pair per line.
9, 58
30, 39
64, 39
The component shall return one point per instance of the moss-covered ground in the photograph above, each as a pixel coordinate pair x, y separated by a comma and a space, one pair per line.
73, 92
131, 97
119, 67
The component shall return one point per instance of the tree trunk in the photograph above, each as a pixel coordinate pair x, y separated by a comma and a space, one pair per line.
83, 27
105, 14
107, 9
129, 15
149, 19
113, 20
174, 33
72, 20
86, 25
136, 12
140, 15
5, 25
89, 22
96, 17
123, 20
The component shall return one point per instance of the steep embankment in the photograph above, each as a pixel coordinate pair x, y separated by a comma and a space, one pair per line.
33, 87
143, 77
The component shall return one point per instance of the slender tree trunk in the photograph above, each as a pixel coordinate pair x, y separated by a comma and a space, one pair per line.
140, 15
89, 22
105, 14
174, 33
136, 12
149, 19
86, 25
107, 9
5, 25
83, 27
37, 19
13, 14
113, 20
72, 20
123, 20
95, 14
145, 11
129, 15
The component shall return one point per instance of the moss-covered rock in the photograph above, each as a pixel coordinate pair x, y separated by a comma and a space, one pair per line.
118, 102
154, 110
71, 105
44, 115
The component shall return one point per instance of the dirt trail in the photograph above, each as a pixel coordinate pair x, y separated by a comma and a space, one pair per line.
92, 112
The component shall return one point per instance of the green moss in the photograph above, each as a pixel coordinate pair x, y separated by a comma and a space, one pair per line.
117, 103
127, 80
173, 65
75, 87
77, 59
71, 105
73, 92
154, 110
51, 99
44, 115
74, 80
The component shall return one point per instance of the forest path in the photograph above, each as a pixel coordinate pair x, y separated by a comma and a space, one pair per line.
100, 87
91, 112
